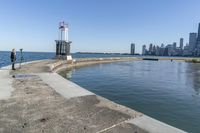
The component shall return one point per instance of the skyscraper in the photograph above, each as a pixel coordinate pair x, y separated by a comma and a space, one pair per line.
174, 46
132, 48
198, 37
198, 42
154, 50
192, 41
162, 45
170, 49
150, 48
144, 50
181, 43
157, 50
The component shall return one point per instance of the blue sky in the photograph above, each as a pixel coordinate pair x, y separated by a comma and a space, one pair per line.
96, 25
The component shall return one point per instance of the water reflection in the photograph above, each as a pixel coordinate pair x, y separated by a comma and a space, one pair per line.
193, 76
68, 74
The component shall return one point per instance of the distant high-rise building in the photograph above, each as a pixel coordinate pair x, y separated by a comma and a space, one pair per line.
170, 49
165, 53
181, 43
174, 46
198, 42
162, 45
157, 50
198, 37
132, 48
144, 50
186, 51
192, 41
154, 50
150, 48
162, 51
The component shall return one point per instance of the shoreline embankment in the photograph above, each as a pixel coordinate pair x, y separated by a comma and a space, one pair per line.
82, 62
40, 100
60, 65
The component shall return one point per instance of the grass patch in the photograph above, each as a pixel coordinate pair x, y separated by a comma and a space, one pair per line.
193, 60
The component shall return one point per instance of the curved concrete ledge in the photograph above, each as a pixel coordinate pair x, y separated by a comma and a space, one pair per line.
43, 101
60, 65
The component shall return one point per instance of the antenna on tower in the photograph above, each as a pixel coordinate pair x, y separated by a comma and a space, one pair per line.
63, 28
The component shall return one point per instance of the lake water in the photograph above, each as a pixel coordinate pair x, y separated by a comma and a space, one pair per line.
165, 90
31, 56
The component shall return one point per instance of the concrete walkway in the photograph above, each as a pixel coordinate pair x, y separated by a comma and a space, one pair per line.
5, 84
38, 101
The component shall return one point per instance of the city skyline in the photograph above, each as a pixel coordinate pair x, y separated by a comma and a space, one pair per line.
96, 26
189, 49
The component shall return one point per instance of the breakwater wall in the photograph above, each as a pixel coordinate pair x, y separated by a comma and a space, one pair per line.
60, 65
42, 101
141, 122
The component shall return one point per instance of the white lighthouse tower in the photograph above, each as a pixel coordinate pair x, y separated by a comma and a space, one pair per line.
63, 43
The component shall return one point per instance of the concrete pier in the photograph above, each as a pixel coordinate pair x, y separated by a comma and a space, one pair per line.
36, 99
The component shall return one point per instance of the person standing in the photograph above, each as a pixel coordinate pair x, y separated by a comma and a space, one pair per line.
13, 58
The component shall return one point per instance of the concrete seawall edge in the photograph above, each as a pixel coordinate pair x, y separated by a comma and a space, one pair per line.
129, 119
144, 122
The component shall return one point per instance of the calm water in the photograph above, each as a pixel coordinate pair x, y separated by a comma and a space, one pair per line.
27, 56
167, 91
